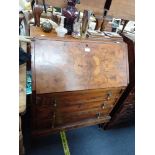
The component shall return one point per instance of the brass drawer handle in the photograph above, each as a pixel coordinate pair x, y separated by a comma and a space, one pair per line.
98, 115
109, 95
106, 105
103, 106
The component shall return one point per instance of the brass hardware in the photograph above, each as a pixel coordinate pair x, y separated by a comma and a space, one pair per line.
98, 115
103, 106
106, 105
109, 95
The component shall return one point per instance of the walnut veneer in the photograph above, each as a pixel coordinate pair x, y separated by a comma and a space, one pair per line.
75, 82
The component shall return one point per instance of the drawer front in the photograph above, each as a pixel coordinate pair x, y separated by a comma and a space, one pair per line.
104, 94
62, 119
61, 109
69, 98
85, 106
88, 122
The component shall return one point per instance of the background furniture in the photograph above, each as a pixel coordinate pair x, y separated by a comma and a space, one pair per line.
76, 83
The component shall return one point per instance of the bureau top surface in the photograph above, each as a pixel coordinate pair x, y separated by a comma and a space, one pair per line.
37, 32
60, 65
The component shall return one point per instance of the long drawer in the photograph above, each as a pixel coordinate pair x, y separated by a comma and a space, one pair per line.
62, 119
69, 98
48, 130
59, 119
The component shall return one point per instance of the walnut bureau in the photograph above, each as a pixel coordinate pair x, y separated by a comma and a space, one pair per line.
76, 83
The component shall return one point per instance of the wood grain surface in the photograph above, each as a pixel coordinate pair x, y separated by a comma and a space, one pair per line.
65, 66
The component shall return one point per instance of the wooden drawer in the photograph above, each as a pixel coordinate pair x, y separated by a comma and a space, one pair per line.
101, 105
105, 94
63, 119
86, 122
76, 97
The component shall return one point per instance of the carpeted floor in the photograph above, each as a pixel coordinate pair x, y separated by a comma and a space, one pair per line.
85, 141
